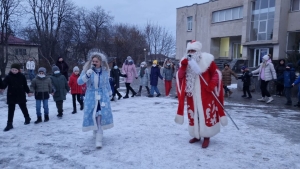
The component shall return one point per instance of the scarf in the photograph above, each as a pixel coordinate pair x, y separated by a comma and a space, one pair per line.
142, 72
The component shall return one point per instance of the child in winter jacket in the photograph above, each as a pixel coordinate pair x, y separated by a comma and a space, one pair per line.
41, 87
168, 74
115, 74
246, 78
60, 87
143, 75
76, 90
154, 75
289, 77
17, 86
226, 78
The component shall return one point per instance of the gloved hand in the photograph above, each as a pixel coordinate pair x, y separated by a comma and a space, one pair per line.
89, 72
184, 62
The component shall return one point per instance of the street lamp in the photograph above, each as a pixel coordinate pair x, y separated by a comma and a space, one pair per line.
145, 50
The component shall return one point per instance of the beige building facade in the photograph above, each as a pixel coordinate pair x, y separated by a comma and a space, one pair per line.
241, 29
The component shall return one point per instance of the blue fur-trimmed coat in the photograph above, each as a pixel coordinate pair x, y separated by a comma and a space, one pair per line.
90, 100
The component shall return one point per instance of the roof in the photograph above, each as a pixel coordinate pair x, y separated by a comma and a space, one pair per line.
12, 40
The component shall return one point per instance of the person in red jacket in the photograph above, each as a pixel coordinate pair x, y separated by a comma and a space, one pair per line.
76, 90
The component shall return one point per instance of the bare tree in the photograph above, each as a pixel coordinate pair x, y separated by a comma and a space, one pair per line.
48, 18
159, 40
8, 9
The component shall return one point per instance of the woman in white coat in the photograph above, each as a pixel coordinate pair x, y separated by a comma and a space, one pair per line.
97, 110
266, 73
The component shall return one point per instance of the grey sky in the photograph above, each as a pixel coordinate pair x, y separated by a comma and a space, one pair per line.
138, 12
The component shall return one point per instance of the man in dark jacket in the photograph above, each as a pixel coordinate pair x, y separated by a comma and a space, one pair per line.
16, 94
154, 75
63, 67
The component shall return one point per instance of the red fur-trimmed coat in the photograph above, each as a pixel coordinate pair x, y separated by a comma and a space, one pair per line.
75, 88
205, 111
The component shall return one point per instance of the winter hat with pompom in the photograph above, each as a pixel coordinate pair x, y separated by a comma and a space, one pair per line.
76, 69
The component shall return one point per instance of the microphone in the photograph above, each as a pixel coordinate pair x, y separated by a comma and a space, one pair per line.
93, 66
189, 57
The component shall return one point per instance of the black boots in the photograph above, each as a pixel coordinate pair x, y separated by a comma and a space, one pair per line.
46, 118
113, 98
73, 112
119, 97
39, 119
8, 126
139, 92
27, 120
148, 90
81, 106
59, 115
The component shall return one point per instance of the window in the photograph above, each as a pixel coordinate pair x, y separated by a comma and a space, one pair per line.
295, 5
227, 15
262, 20
20, 52
189, 23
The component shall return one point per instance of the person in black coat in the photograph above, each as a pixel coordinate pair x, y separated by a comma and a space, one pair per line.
63, 67
17, 86
115, 74
154, 75
279, 72
246, 78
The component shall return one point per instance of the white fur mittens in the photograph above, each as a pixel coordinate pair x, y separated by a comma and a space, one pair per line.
194, 66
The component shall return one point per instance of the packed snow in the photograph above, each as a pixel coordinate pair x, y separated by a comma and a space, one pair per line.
145, 136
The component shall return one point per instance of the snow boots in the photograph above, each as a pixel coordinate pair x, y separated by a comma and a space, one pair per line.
99, 140
205, 142
8, 126
39, 119
269, 100
139, 92
46, 118
81, 106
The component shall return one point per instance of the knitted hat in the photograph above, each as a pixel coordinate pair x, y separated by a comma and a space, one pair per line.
129, 57
16, 66
55, 68
194, 45
155, 62
42, 69
76, 69
244, 67
266, 57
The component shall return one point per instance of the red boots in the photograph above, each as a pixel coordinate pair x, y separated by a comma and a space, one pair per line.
194, 140
204, 144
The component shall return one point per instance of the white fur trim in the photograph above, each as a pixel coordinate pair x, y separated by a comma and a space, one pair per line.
179, 119
197, 46
205, 61
178, 84
85, 78
223, 121
218, 87
194, 66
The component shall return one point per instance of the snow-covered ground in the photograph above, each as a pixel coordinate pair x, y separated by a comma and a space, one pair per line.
145, 136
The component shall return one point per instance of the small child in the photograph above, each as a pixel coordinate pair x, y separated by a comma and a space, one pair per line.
168, 74
60, 87
289, 77
41, 87
17, 86
143, 75
76, 90
154, 75
226, 78
246, 78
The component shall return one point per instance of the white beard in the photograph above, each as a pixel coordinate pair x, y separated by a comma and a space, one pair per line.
191, 75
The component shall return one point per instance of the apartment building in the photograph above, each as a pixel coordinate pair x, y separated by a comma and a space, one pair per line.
241, 29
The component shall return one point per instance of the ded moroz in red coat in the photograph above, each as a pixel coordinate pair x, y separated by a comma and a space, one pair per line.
204, 111
75, 88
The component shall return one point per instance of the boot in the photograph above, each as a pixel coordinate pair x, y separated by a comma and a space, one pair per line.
46, 118
59, 115
158, 95
139, 92
39, 119
148, 90
205, 142
74, 111
27, 120
150, 95
262, 99
194, 140
133, 94
8, 126
269, 99
119, 96
99, 140
81, 106
125, 97
112, 99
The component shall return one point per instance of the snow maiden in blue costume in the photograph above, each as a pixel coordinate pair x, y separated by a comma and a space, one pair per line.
97, 110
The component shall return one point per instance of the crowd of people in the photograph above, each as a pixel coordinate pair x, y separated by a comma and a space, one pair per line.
199, 84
